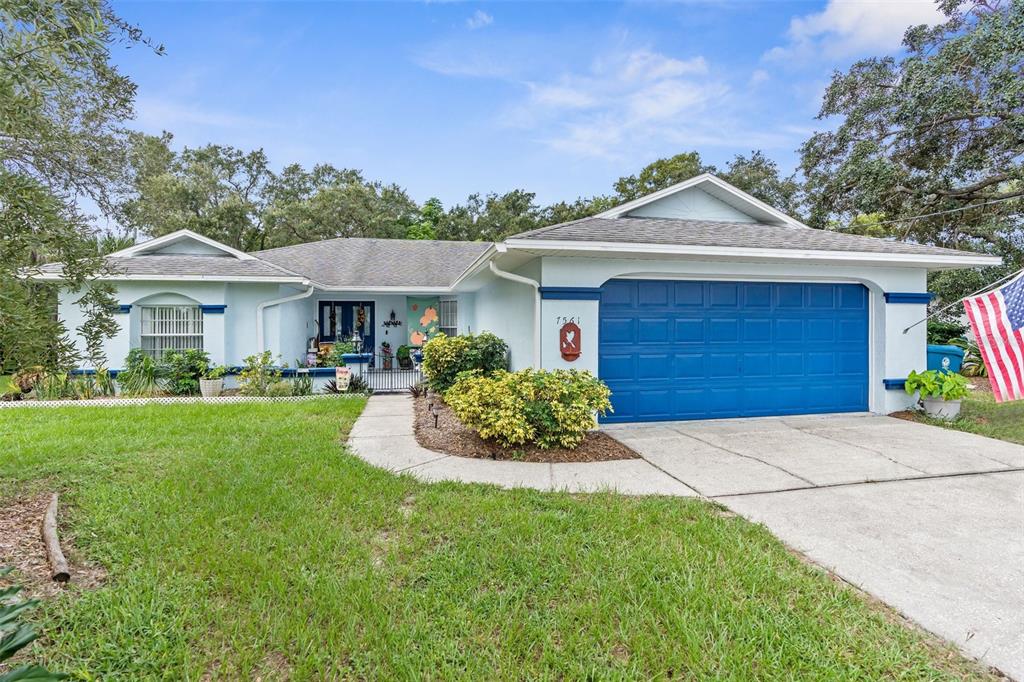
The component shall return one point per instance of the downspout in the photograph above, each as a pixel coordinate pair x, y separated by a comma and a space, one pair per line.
277, 301
536, 305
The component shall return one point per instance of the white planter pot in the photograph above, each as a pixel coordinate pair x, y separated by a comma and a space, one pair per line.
211, 388
940, 408
342, 377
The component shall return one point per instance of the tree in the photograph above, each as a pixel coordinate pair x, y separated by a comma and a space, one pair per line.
661, 174
62, 105
938, 131
491, 218
217, 191
431, 215
563, 212
758, 176
329, 202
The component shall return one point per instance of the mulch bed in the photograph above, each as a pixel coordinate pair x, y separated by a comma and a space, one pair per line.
452, 437
21, 546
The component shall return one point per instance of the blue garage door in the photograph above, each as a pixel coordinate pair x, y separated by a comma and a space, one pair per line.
703, 350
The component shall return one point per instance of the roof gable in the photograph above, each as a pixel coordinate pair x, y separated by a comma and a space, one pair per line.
704, 197
181, 242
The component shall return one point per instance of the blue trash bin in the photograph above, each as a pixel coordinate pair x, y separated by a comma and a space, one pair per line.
948, 358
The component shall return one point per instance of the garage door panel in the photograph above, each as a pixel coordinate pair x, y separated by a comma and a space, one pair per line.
688, 294
723, 331
654, 330
689, 366
757, 330
789, 330
693, 350
689, 330
821, 329
652, 365
724, 294
617, 367
618, 330
723, 365
654, 404
653, 293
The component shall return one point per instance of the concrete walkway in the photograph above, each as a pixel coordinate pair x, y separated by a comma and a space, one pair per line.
383, 436
929, 520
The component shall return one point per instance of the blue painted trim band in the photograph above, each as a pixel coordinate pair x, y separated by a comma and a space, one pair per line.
356, 358
894, 384
92, 372
571, 293
121, 309
213, 309
310, 371
903, 297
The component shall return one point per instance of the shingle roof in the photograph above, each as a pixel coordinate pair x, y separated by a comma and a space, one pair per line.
353, 262
189, 266
681, 232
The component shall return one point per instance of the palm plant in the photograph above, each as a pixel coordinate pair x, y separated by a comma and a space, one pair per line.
15, 636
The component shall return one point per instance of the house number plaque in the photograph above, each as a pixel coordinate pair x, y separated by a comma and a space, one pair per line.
569, 341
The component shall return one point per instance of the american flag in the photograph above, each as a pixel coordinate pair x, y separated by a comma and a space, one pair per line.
998, 322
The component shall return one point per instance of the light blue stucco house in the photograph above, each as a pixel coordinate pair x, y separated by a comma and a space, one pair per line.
696, 301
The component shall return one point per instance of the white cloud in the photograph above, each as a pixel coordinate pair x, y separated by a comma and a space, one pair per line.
159, 114
852, 27
480, 19
759, 76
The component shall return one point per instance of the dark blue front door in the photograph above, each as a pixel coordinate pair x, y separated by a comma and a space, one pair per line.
340, 320
702, 350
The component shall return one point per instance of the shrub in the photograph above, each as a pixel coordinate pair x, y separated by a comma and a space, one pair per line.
933, 384
549, 408
182, 370
334, 358
279, 389
56, 386
27, 377
302, 384
944, 331
445, 357
141, 375
15, 635
258, 375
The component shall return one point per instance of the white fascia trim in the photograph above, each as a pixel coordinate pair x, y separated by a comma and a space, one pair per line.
182, 278
475, 266
753, 252
174, 236
701, 179
387, 290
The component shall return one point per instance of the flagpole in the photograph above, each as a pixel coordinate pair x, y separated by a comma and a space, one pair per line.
1011, 276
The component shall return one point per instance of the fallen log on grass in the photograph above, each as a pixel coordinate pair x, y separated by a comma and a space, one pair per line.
58, 564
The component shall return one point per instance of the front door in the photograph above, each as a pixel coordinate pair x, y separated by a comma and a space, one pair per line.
341, 320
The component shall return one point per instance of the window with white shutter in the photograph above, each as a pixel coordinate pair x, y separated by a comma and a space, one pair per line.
170, 327
448, 315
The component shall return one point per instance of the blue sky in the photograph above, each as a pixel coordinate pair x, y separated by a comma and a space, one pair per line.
452, 98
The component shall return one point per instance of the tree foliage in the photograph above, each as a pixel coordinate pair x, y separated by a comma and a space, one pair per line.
940, 129
62, 105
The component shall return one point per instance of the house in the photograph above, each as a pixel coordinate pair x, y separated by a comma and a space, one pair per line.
697, 301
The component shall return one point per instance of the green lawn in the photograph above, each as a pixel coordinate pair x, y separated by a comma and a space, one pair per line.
980, 414
242, 540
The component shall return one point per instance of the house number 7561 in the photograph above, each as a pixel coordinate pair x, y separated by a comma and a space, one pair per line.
561, 319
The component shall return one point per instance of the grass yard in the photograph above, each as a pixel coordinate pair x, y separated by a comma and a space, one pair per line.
242, 541
980, 414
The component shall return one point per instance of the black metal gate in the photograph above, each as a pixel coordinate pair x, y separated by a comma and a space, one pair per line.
388, 375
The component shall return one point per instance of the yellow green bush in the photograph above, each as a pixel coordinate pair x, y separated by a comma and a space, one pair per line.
549, 408
445, 357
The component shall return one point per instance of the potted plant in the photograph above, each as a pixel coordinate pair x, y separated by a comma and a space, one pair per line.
404, 356
940, 392
386, 355
212, 381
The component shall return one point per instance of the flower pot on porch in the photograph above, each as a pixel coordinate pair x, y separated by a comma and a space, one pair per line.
211, 388
342, 378
940, 408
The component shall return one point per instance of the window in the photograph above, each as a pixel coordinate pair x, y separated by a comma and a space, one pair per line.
171, 327
448, 315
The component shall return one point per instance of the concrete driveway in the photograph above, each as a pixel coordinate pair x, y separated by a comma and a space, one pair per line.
929, 520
